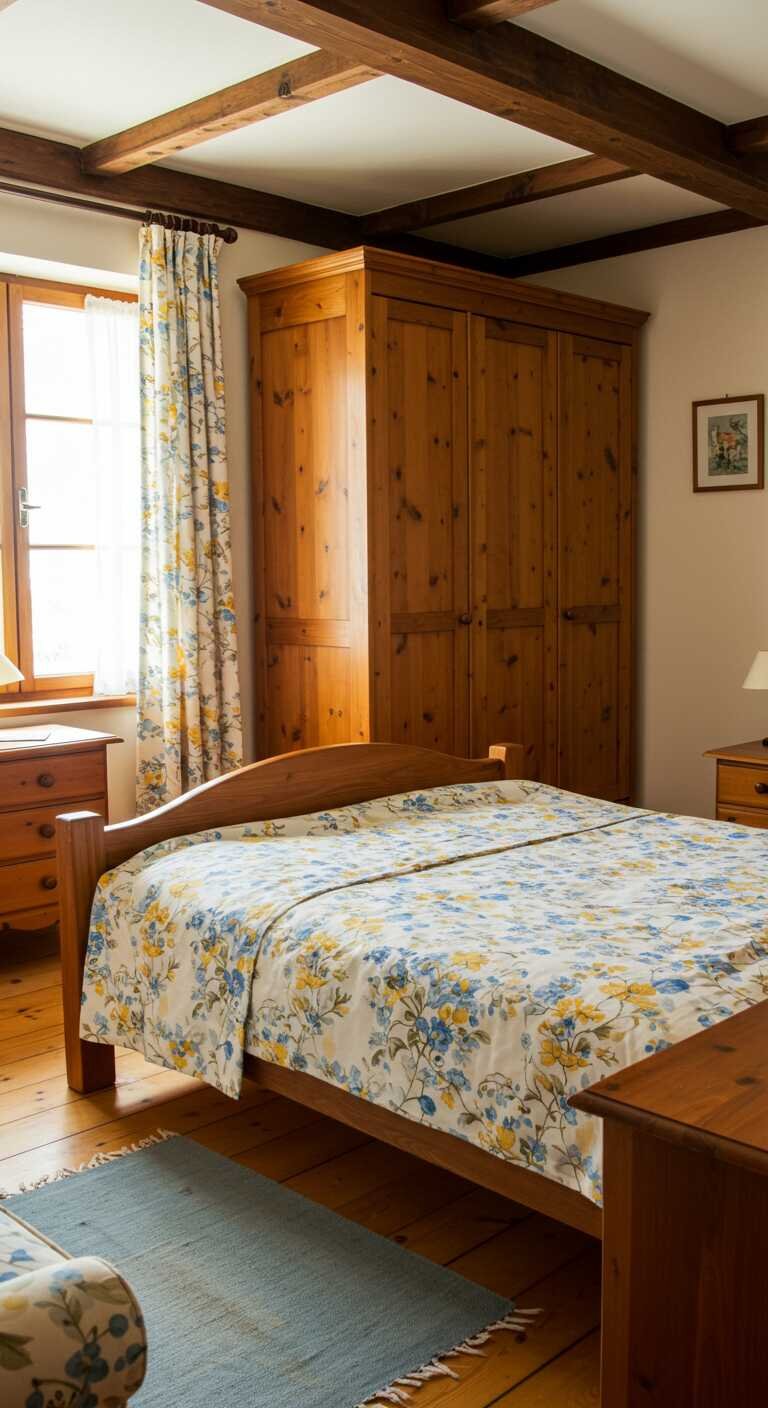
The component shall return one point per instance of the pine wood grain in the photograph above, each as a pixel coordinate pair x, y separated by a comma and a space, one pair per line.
253, 100
444, 1234
30, 976
313, 1143
481, 14
513, 402
571, 1381
595, 549
40, 1082
18, 1048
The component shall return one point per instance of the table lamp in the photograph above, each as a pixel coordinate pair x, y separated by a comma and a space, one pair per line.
8, 671
758, 676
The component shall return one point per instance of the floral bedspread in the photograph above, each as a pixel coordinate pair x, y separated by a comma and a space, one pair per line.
467, 956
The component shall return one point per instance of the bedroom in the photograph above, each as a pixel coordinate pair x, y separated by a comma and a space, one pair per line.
420, 544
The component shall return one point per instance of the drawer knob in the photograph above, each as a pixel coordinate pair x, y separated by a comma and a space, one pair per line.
761, 787
465, 619
49, 882
47, 830
45, 779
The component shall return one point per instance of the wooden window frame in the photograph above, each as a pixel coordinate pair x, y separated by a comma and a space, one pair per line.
15, 291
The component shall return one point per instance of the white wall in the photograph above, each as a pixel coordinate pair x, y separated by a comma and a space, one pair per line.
101, 249
703, 572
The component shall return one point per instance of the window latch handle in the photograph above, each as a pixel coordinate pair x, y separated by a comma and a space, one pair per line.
24, 508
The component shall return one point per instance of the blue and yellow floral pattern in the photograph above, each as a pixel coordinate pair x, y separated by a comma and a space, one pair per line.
468, 957
189, 725
71, 1331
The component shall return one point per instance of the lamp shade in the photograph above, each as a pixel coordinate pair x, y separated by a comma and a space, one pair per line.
758, 674
8, 671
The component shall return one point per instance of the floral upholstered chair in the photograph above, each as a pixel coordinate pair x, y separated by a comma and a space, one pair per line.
71, 1331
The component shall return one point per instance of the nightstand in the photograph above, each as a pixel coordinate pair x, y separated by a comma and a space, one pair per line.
39, 779
742, 783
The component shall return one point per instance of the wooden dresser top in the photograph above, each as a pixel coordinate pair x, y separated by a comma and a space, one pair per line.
18, 742
756, 752
709, 1092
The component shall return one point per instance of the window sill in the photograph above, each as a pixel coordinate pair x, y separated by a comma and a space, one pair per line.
18, 708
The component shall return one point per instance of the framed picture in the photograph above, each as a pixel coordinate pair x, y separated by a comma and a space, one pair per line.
728, 443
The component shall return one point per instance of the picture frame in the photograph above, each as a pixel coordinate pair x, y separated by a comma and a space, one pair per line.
729, 444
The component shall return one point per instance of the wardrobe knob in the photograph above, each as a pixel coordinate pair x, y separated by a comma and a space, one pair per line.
48, 882
465, 619
569, 615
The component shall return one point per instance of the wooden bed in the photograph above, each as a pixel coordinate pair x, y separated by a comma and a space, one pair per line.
663, 1134
291, 785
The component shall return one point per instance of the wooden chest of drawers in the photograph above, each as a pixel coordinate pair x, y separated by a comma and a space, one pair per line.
65, 771
742, 783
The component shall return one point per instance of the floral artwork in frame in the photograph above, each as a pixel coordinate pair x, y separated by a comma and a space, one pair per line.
728, 443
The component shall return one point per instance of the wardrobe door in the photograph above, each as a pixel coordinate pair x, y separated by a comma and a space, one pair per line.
418, 524
595, 504
512, 472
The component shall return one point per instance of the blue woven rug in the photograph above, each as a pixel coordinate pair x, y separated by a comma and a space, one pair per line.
255, 1297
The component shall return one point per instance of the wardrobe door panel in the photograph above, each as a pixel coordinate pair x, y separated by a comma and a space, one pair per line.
419, 469
512, 448
309, 696
517, 693
595, 481
306, 512
429, 688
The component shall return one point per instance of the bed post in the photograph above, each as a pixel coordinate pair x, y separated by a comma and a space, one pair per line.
81, 860
512, 755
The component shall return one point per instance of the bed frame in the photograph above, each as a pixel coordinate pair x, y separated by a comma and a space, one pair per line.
290, 785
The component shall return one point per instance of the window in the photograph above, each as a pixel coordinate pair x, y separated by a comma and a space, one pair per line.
50, 554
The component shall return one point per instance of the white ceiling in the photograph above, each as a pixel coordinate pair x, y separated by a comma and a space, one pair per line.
585, 215
81, 69
711, 54
374, 146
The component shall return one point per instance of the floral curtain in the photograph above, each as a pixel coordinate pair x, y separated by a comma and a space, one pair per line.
189, 724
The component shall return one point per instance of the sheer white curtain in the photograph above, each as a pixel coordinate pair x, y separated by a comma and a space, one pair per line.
113, 342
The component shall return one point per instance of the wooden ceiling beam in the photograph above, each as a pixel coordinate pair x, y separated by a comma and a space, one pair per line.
748, 137
524, 78
692, 227
522, 188
42, 162
479, 14
266, 95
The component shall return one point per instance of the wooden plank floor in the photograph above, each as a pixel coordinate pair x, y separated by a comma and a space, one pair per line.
45, 1126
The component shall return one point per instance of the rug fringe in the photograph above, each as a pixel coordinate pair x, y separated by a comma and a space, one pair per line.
159, 1137
519, 1321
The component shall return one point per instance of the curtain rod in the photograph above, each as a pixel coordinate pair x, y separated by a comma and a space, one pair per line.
228, 235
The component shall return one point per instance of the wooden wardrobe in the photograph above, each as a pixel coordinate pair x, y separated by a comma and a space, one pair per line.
443, 483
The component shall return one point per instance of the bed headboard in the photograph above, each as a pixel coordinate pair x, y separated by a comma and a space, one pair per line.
311, 780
